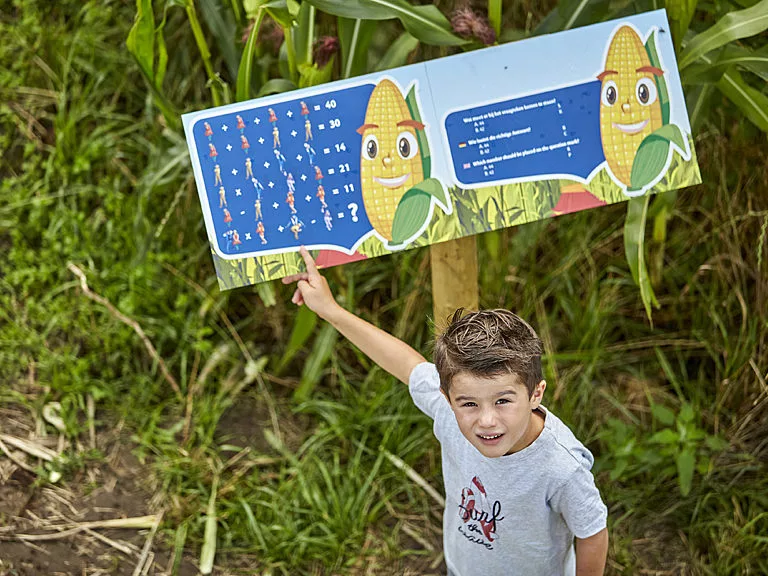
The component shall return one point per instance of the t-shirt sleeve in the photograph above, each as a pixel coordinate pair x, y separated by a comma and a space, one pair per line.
424, 386
579, 503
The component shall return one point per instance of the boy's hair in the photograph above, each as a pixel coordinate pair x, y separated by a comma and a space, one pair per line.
488, 343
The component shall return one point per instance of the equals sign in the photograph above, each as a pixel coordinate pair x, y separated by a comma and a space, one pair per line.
331, 171
321, 126
326, 150
335, 190
242, 212
317, 107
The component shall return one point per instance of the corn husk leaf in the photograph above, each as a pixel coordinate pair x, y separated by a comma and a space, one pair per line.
652, 155
421, 137
661, 84
411, 213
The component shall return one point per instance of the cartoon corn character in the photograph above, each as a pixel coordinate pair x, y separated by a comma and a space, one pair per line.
634, 112
394, 162
296, 226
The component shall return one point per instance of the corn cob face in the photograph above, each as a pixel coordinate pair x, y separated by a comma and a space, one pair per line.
390, 157
629, 105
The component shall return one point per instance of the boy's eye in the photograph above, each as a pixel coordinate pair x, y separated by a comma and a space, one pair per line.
502, 401
468, 404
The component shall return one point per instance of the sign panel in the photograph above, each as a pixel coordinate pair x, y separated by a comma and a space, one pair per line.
443, 149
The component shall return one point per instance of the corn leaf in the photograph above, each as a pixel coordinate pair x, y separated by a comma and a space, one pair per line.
752, 102
303, 327
141, 38
572, 13
304, 34
318, 358
245, 70
711, 68
634, 248
426, 23
221, 23
397, 54
266, 293
355, 36
276, 86
680, 13
686, 461
732, 26
311, 75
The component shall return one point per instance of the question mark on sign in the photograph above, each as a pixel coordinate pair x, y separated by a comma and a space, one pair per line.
353, 208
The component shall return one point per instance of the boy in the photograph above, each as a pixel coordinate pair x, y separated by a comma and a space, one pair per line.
517, 481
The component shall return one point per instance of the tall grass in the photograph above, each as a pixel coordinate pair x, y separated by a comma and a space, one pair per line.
91, 174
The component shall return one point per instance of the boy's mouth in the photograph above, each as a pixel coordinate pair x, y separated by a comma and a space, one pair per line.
490, 439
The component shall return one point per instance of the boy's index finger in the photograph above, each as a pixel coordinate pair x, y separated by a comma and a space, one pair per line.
308, 260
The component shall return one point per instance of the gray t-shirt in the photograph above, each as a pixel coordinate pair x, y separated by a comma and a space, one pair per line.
516, 514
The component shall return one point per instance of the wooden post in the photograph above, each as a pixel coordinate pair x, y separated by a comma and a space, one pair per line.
454, 277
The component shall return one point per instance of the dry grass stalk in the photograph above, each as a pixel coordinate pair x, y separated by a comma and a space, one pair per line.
415, 476
31, 448
130, 322
144, 561
135, 523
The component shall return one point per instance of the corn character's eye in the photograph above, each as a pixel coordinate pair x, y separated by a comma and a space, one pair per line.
610, 93
370, 147
645, 90
407, 147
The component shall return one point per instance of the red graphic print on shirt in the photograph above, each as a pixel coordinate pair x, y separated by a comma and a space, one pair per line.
480, 516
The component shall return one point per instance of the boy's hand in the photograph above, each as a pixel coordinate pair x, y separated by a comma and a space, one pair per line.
312, 289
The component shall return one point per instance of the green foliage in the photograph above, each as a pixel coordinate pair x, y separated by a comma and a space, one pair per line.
91, 174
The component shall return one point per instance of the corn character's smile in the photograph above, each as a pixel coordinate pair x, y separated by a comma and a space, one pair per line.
392, 182
631, 128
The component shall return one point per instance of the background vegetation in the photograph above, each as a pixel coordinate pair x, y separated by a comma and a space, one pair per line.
258, 433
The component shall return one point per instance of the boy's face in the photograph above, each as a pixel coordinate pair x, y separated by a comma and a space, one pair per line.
495, 413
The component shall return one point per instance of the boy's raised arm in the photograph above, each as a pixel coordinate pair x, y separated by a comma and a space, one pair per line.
392, 354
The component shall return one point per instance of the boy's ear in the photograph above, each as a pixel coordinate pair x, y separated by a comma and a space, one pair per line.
538, 394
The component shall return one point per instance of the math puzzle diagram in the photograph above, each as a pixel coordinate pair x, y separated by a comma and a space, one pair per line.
286, 174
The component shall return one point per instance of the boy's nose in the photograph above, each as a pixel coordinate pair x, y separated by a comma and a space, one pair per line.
487, 419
